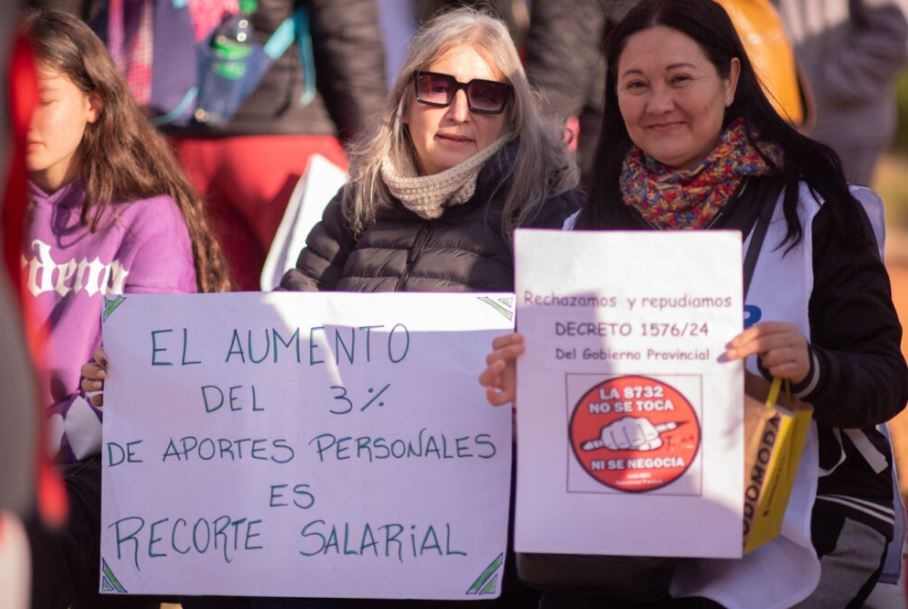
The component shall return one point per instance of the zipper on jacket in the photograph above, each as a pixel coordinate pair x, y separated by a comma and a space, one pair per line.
418, 245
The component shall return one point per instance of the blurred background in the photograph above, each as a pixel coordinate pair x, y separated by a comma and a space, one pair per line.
400, 18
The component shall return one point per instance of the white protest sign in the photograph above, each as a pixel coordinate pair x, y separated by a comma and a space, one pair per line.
287, 444
629, 427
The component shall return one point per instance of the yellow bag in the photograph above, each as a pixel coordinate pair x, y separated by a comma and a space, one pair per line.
775, 429
760, 28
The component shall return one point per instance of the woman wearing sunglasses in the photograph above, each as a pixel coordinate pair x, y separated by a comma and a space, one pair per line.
461, 157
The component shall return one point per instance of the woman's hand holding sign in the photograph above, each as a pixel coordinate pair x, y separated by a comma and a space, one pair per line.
782, 349
500, 376
93, 375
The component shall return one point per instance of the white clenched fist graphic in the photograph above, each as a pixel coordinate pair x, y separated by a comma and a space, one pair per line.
629, 433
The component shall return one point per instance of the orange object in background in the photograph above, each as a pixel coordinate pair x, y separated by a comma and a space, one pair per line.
760, 28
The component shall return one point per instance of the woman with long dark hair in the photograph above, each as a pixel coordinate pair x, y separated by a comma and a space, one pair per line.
690, 141
110, 213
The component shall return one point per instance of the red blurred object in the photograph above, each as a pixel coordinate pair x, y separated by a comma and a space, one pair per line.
246, 181
23, 98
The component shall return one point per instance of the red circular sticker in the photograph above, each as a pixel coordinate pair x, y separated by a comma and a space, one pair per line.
634, 433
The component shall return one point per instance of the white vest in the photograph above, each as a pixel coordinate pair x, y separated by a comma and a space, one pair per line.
786, 570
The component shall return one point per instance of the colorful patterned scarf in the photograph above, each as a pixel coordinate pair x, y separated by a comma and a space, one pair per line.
691, 198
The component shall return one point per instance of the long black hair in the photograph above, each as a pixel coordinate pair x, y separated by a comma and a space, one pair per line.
707, 23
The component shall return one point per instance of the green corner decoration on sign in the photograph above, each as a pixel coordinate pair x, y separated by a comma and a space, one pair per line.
488, 579
109, 581
110, 305
505, 306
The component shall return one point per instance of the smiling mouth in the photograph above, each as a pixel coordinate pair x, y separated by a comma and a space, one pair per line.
665, 126
457, 139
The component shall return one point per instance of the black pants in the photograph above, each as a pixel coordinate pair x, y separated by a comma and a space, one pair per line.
852, 555
65, 563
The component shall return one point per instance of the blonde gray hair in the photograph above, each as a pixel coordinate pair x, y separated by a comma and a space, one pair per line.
541, 168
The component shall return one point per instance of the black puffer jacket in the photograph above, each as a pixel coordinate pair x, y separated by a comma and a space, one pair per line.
462, 251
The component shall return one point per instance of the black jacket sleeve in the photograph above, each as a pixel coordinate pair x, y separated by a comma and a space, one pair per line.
558, 209
321, 263
855, 333
350, 61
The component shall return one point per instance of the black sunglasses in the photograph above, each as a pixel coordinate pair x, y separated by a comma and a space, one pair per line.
483, 96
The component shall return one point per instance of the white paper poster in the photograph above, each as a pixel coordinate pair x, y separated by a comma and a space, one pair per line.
629, 425
287, 444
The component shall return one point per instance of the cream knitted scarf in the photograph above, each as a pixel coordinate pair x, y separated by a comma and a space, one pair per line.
427, 196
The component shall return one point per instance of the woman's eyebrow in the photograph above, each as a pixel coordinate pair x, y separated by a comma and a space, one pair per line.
680, 64
673, 66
